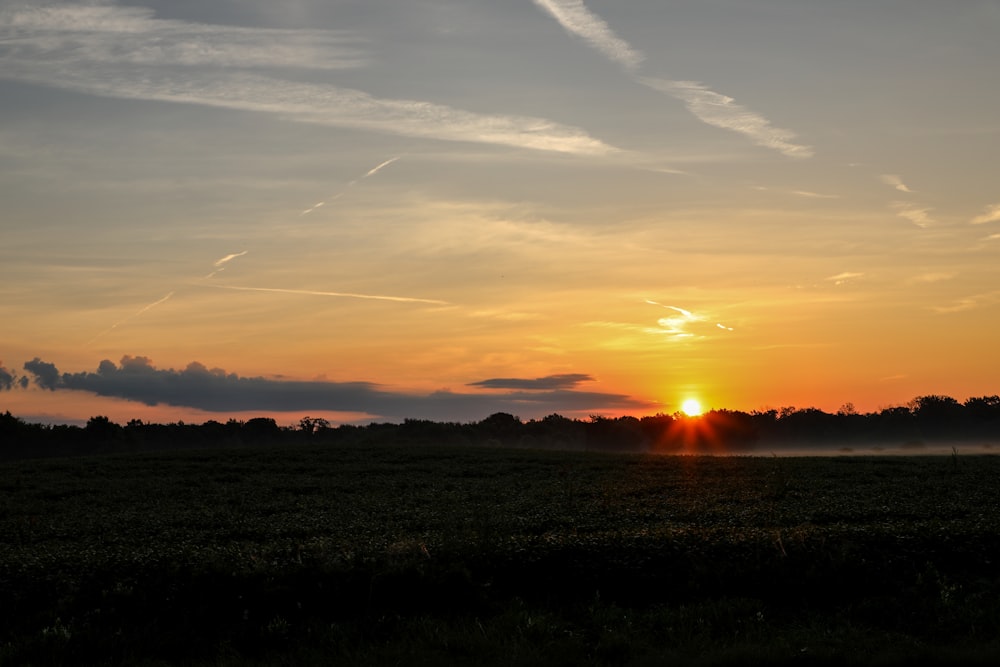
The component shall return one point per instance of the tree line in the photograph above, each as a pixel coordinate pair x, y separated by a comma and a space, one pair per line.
925, 419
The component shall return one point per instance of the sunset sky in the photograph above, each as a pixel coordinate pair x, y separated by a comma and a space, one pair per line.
442, 209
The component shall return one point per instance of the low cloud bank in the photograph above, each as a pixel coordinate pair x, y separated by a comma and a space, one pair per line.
215, 390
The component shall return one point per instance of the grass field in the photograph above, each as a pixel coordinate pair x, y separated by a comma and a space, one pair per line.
420, 555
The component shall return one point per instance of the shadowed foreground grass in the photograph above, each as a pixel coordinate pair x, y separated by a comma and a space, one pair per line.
420, 555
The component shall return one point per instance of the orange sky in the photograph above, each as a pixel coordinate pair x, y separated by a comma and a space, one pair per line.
583, 208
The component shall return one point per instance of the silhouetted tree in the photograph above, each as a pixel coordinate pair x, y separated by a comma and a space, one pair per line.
103, 435
500, 427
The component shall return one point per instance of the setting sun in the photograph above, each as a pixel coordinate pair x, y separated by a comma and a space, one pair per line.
691, 407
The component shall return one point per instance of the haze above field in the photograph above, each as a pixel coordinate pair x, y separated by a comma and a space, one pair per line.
442, 209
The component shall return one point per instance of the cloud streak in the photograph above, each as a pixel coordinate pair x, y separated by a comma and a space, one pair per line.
548, 383
675, 326
215, 390
368, 174
896, 182
107, 34
126, 53
915, 214
721, 111
132, 316
845, 277
220, 263
349, 295
576, 19
991, 214
706, 105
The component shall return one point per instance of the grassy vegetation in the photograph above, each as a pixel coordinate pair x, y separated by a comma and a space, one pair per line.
422, 555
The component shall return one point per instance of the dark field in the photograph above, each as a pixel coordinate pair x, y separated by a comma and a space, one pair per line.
419, 555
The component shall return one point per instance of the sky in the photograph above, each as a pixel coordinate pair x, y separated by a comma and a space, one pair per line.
377, 210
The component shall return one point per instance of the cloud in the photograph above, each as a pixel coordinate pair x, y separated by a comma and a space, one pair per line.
374, 170
915, 214
215, 390
46, 374
576, 19
9, 379
549, 382
932, 277
896, 182
721, 111
707, 105
107, 34
814, 195
350, 295
846, 276
675, 326
229, 258
969, 303
125, 53
220, 263
991, 214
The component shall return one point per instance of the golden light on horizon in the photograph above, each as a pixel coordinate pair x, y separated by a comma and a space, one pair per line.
691, 407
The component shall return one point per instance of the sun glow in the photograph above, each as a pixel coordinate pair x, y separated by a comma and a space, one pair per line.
691, 407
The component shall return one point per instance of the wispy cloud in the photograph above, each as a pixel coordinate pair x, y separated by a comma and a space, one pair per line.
574, 16
348, 295
705, 104
814, 195
722, 111
126, 53
933, 277
896, 182
845, 277
108, 34
915, 214
969, 303
674, 326
991, 214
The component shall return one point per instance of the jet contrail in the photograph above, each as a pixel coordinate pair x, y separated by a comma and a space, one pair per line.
229, 258
135, 314
349, 295
371, 172
218, 264
375, 170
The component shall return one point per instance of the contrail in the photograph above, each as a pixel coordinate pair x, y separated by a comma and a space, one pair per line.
218, 264
706, 105
371, 172
133, 315
229, 258
349, 295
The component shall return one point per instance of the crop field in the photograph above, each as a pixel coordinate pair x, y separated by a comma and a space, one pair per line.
423, 555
